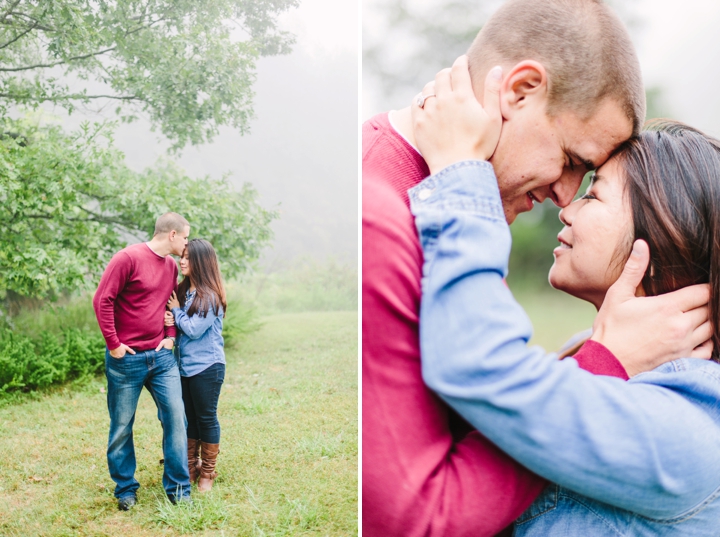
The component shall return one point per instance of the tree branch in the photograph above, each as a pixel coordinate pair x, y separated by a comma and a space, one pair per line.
28, 30
110, 220
33, 19
74, 58
71, 96
9, 10
94, 217
45, 65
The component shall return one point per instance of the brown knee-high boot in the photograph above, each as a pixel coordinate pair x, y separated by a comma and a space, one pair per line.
193, 459
209, 455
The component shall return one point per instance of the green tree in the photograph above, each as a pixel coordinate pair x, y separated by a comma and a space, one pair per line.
68, 202
188, 65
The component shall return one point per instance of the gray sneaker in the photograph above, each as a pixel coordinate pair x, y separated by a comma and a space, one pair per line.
126, 502
185, 499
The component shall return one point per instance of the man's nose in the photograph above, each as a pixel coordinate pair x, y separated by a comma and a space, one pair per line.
564, 189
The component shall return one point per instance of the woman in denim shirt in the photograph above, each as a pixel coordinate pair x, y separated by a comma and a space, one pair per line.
198, 311
662, 188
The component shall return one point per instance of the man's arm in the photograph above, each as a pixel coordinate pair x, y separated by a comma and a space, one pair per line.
418, 480
111, 283
635, 445
171, 330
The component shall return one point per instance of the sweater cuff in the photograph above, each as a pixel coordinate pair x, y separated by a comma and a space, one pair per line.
112, 343
595, 358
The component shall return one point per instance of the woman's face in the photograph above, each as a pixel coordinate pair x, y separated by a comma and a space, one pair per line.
184, 264
597, 227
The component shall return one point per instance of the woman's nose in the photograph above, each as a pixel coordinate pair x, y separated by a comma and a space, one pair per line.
566, 214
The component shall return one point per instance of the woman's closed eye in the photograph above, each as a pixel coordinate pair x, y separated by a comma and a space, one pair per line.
588, 196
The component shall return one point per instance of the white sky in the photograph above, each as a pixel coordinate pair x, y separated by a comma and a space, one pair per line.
324, 27
679, 50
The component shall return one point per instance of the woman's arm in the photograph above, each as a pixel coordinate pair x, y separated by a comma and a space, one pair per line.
637, 445
194, 327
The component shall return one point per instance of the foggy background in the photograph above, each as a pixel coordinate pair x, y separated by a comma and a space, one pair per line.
301, 152
676, 44
406, 42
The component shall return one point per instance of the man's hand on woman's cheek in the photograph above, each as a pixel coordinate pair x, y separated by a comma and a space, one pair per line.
451, 125
645, 332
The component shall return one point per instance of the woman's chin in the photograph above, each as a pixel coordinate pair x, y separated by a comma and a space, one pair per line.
555, 278
558, 281
571, 287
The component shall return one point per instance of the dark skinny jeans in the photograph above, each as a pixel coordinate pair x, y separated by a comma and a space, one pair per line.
200, 394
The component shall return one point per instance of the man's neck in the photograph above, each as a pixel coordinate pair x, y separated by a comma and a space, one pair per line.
161, 248
402, 121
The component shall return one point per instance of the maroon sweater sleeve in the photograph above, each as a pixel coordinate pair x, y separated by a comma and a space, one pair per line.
171, 331
112, 282
597, 359
420, 477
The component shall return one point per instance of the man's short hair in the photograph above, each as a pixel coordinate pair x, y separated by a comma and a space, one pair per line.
584, 47
170, 222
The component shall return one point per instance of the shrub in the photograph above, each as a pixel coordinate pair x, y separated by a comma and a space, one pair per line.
58, 343
27, 364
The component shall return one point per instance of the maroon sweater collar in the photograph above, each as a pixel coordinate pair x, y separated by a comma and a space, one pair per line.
408, 167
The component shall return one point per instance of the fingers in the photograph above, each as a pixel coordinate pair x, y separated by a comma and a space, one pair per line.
632, 274
460, 73
701, 334
443, 83
697, 317
158, 347
703, 351
689, 298
491, 98
429, 103
128, 349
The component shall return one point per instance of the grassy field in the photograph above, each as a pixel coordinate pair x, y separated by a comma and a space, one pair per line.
288, 461
556, 316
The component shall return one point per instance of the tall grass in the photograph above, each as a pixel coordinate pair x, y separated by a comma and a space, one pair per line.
48, 344
307, 285
55, 317
288, 464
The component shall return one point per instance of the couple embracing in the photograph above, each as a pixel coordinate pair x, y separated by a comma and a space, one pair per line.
466, 430
145, 316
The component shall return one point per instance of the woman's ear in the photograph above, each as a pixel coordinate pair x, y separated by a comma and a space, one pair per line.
525, 83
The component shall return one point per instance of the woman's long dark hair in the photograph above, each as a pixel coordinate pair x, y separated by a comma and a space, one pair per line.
672, 174
205, 275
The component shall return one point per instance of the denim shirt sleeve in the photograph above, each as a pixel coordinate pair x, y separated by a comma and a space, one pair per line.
635, 445
194, 327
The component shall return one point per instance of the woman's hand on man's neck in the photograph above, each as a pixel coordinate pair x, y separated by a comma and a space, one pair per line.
402, 121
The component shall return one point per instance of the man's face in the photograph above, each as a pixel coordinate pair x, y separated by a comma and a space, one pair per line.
178, 240
541, 157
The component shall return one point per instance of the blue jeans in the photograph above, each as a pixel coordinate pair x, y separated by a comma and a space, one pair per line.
200, 394
126, 377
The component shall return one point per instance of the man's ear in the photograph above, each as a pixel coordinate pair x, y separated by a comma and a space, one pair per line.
525, 83
172, 235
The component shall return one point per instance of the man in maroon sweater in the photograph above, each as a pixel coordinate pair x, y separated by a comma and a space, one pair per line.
425, 473
130, 305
